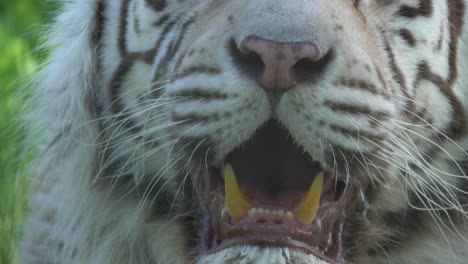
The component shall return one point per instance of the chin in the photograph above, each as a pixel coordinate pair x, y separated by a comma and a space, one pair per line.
259, 255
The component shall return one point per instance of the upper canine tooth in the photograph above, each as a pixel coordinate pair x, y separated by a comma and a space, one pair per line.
306, 211
237, 204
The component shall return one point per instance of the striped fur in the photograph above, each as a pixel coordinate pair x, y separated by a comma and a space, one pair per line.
141, 96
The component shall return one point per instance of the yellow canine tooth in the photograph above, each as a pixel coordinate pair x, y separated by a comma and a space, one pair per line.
306, 211
237, 204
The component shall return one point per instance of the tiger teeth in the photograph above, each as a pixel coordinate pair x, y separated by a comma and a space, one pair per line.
306, 211
237, 203
290, 216
253, 212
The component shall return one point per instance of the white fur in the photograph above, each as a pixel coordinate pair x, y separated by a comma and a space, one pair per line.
257, 255
74, 221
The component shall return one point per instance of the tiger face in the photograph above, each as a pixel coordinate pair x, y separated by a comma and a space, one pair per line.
271, 131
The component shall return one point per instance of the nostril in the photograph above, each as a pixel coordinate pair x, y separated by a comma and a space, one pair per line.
307, 69
303, 64
247, 61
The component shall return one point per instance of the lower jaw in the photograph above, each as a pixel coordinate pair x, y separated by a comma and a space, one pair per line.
322, 240
271, 236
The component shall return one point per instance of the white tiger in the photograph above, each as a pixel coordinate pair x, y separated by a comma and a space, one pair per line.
253, 131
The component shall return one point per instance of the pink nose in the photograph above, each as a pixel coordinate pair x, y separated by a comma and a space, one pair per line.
284, 64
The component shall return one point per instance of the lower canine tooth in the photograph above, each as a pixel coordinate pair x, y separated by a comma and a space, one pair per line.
306, 210
237, 204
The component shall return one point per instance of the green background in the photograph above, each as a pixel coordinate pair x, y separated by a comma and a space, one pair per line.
21, 24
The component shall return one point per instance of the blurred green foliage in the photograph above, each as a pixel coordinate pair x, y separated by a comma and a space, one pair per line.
21, 22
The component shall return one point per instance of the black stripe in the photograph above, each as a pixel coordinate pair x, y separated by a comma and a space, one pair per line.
136, 19
157, 5
398, 76
170, 53
128, 60
408, 37
356, 110
150, 55
123, 27
94, 104
196, 70
200, 93
425, 9
358, 84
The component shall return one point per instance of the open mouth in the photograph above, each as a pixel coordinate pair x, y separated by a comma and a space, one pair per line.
270, 193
